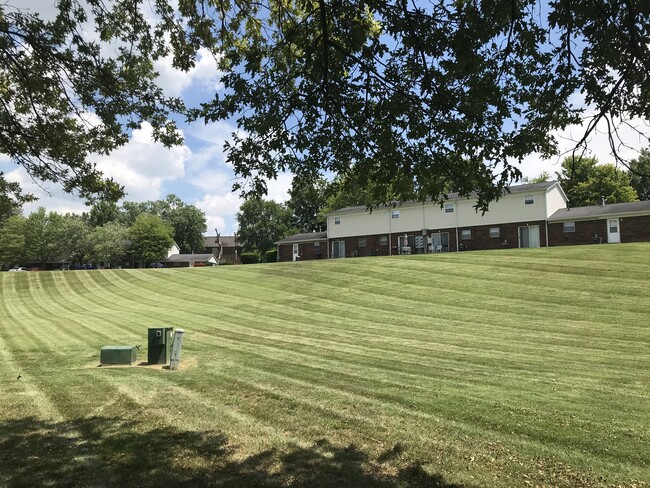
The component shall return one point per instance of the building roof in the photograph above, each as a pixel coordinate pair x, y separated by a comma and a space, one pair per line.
186, 258
226, 241
595, 211
528, 187
306, 237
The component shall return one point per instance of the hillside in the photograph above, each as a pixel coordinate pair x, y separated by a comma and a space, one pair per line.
506, 368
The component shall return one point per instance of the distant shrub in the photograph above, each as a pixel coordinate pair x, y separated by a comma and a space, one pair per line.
271, 256
250, 258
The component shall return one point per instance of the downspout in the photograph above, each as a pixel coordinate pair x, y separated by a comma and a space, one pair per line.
457, 208
390, 233
546, 215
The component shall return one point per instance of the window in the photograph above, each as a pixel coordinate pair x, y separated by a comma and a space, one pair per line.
529, 199
495, 231
383, 240
466, 234
569, 226
362, 242
337, 220
394, 214
449, 208
317, 246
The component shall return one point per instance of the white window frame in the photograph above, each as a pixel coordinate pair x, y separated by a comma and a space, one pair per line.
337, 220
362, 242
465, 234
394, 214
317, 246
529, 200
450, 208
568, 227
383, 240
495, 232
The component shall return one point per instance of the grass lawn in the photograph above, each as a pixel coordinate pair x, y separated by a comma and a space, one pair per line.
506, 369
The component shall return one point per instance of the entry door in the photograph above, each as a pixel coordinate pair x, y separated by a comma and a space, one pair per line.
529, 236
295, 252
613, 231
338, 249
440, 241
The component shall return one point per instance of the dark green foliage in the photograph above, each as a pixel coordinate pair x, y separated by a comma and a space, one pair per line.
271, 256
56, 81
150, 238
640, 174
308, 198
262, 223
249, 258
11, 198
586, 182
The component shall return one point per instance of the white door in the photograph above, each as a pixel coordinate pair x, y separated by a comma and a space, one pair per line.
529, 236
613, 231
295, 252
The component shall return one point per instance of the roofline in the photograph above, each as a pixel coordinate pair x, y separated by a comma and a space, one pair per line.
453, 198
635, 213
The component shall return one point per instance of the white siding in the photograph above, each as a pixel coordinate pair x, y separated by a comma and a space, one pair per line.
511, 208
555, 200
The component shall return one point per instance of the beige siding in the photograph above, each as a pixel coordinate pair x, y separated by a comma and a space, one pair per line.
511, 208
358, 224
555, 200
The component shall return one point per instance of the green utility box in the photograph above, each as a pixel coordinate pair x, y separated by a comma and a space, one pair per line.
118, 355
160, 345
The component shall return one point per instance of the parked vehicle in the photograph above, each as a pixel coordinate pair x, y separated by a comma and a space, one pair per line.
157, 265
21, 268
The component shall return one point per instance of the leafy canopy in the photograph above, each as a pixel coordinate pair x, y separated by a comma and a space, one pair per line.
407, 99
586, 182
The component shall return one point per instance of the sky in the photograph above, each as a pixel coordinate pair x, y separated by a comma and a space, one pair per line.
197, 171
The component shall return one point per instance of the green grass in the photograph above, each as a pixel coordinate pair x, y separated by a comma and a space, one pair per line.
508, 368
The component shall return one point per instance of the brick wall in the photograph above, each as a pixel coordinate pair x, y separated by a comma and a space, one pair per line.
585, 232
306, 251
635, 229
508, 236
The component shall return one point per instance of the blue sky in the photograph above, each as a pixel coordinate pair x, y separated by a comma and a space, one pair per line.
197, 171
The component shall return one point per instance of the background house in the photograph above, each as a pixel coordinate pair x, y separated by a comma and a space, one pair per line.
311, 245
232, 248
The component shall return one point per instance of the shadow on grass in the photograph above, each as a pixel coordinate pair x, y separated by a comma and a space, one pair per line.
112, 452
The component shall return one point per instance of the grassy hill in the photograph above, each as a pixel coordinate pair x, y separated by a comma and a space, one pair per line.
508, 368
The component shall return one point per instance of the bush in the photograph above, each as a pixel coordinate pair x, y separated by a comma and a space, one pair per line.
250, 258
271, 256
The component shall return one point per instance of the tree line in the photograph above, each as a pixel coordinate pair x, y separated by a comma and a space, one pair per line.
110, 235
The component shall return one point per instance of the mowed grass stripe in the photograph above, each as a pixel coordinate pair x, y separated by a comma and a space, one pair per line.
429, 352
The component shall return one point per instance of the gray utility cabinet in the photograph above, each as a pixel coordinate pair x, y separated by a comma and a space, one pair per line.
160, 345
118, 355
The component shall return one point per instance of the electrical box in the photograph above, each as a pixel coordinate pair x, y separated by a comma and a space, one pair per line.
118, 355
160, 345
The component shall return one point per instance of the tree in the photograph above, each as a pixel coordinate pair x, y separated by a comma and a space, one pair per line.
640, 174
586, 182
150, 238
71, 239
63, 99
12, 240
262, 223
543, 177
110, 243
11, 198
407, 99
187, 221
41, 229
308, 198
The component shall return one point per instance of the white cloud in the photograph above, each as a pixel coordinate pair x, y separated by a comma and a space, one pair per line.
204, 74
220, 210
142, 165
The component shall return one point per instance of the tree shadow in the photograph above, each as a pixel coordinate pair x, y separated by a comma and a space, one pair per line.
102, 451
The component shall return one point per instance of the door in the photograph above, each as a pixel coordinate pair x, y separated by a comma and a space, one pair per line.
296, 253
440, 241
338, 249
529, 236
613, 231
